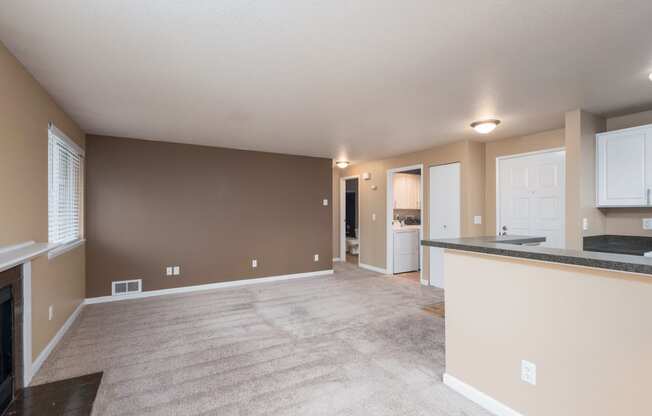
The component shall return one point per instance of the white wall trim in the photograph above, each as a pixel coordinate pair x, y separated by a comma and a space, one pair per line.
471, 393
64, 248
389, 255
373, 268
27, 323
343, 215
36, 365
209, 286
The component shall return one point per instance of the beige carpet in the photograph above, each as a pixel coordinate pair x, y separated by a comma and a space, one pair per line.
355, 343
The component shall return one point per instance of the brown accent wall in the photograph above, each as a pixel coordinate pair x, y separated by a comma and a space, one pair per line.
208, 210
25, 110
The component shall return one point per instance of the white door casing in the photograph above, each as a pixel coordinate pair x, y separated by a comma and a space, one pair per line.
444, 213
389, 235
343, 217
531, 196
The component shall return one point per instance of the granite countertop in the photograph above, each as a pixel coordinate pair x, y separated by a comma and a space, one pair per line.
512, 246
621, 244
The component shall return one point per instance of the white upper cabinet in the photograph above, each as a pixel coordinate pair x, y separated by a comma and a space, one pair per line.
624, 167
406, 191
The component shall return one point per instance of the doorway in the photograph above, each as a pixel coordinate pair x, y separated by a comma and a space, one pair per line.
530, 196
350, 219
444, 214
404, 215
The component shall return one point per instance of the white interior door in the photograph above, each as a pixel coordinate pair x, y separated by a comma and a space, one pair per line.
531, 196
444, 214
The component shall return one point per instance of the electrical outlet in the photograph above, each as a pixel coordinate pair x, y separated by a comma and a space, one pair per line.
529, 372
176, 270
254, 263
647, 223
50, 312
168, 271
477, 220
316, 257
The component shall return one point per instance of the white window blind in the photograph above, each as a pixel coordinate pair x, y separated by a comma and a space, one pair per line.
65, 167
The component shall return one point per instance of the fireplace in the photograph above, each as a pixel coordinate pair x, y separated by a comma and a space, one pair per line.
6, 348
11, 339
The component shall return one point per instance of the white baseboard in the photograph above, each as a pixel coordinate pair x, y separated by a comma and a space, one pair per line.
373, 268
487, 402
336, 259
36, 365
209, 286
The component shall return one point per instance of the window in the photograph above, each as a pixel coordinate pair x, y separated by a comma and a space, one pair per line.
65, 184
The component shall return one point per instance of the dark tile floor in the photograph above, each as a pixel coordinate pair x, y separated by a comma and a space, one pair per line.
71, 397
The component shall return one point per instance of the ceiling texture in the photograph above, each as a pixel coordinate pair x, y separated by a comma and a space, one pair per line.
356, 79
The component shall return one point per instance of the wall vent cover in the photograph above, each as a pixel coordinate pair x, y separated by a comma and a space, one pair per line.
125, 287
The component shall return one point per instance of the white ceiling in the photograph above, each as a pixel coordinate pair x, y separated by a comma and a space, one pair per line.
356, 79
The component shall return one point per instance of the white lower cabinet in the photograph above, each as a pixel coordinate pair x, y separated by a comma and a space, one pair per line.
406, 251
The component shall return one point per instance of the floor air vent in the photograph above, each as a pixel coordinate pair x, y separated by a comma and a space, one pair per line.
126, 287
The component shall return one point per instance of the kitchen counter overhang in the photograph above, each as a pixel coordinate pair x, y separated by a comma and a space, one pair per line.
520, 247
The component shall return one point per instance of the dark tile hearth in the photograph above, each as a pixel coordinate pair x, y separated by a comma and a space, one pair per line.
71, 397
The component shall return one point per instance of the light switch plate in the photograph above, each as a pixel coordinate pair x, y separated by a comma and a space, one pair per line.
168, 271
316, 257
529, 372
585, 224
647, 223
254, 263
373, 217
477, 220
325, 202
176, 270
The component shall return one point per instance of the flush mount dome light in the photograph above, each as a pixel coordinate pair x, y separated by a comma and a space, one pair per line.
485, 126
342, 164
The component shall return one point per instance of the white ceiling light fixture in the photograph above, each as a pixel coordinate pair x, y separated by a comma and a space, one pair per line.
342, 164
650, 76
485, 126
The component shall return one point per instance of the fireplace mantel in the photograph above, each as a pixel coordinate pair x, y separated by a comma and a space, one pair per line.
11, 256
21, 255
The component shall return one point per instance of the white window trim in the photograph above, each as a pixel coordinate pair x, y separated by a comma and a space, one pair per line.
67, 139
71, 245
64, 248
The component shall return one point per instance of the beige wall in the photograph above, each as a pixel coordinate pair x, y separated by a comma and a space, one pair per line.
586, 330
628, 221
580, 131
373, 233
512, 146
25, 110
